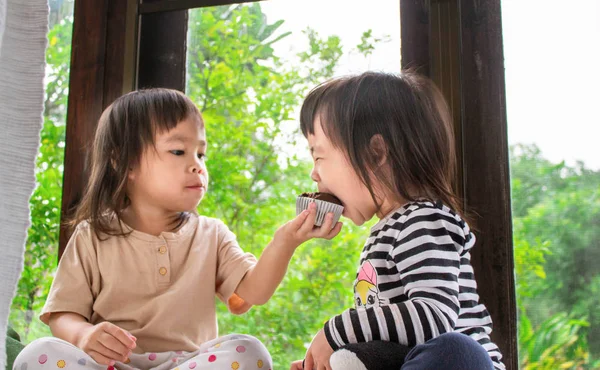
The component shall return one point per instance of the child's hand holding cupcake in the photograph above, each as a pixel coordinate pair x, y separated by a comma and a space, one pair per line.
325, 202
317, 217
273, 263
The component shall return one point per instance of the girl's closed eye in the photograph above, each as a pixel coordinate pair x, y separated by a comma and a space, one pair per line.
177, 152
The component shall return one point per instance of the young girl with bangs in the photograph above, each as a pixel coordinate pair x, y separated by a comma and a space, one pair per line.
383, 144
136, 286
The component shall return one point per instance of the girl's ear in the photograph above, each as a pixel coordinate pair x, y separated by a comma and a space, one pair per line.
131, 174
378, 150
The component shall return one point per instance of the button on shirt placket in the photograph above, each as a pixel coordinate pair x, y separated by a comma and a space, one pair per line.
163, 269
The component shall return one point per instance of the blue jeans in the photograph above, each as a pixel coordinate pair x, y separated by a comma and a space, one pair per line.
448, 351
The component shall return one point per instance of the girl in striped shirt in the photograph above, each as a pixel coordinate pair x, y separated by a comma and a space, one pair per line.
383, 144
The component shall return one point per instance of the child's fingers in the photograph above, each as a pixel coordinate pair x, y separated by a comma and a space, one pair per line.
309, 362
100, 358
327, 229
326, 226
112, 348
333, 232
296, 365
121, 335
309, 222
297, 222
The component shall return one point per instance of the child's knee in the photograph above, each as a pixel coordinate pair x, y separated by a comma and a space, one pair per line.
250, 344
456, 341
449, 350
37, 347
40, 351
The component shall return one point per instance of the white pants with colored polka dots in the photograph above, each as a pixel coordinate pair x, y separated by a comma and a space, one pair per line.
229, 352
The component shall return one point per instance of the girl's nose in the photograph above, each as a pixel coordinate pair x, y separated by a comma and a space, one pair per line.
314, 175
196, 168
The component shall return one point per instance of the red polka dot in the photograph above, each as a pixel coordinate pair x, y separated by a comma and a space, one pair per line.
212, 358
42, 359
241, 349
192, 365
110, 368
152, 357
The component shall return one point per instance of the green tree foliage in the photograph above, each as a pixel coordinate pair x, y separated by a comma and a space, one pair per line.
557, 249
554, 344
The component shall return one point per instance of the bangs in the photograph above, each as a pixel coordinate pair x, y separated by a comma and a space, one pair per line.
163, 108
138, 117
326, 103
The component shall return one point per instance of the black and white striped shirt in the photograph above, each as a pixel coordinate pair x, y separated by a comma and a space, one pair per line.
415, 282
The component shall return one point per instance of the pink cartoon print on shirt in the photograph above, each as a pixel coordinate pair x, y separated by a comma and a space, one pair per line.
366, 292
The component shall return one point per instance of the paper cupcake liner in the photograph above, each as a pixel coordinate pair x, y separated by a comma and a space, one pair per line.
323, 208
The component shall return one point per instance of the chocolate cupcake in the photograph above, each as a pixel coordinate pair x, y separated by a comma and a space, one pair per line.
325, 203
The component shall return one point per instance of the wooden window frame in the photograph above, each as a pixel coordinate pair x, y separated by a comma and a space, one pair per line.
99, 71
459, 45
120, 45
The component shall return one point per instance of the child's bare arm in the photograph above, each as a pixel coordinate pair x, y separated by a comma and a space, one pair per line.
259, 284
106, 343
